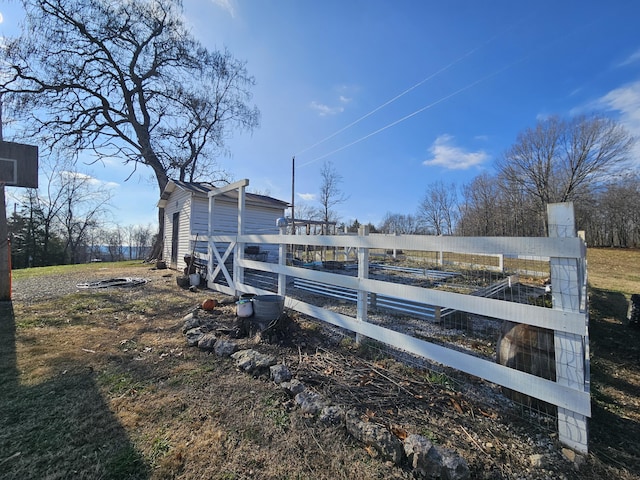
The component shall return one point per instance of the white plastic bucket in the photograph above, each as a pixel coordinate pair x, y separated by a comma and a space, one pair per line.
194, 279
244, 308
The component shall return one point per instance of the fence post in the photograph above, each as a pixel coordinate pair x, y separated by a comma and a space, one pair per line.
282, 260
363, 273
238, 271
569, 348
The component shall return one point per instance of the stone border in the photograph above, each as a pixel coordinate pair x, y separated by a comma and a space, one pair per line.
416, 452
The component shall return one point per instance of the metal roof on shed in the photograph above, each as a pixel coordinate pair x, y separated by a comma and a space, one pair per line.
203, 188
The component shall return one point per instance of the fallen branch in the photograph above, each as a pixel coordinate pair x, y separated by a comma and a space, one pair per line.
15, 455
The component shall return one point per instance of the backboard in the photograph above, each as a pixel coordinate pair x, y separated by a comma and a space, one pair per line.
18, 165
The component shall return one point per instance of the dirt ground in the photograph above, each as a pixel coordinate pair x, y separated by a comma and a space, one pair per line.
101, 384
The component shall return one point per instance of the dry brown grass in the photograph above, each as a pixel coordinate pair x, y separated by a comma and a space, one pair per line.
616, 270
101, 385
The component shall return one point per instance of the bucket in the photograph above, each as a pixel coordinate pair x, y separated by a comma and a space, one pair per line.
267, 307
194, 279
244, 308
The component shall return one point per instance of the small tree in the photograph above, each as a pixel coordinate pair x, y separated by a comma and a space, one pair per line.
437, 211
84, 207
399, 223
330, 193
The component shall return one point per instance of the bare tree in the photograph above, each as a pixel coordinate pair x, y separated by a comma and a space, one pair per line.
142, 239
478, 212
437, 211
127, 79
330, 192
612, 218
564, 160
399, 223
114, 240
84, 208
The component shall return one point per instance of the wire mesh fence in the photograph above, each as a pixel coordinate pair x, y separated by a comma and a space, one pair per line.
448, 304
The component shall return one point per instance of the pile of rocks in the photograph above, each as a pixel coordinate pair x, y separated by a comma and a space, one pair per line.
402, 448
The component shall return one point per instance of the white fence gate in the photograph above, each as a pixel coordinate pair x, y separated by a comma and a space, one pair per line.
568, 318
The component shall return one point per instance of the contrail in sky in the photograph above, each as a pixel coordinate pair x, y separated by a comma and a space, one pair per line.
388, 102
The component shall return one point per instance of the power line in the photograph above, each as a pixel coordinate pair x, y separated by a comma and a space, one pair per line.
403, 93
446, 97
416, 112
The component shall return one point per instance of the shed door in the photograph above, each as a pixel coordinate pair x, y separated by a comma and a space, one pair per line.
175, 232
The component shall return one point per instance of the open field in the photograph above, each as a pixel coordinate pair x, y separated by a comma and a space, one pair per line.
101, 385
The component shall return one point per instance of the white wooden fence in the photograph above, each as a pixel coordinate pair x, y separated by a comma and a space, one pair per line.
568, 318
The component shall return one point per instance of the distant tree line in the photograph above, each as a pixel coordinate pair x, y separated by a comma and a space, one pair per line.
66, 221
583, 160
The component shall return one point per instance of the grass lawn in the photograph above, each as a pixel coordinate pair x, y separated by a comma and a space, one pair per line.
101, 385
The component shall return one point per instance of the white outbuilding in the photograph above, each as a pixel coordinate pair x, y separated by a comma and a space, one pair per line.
186, 219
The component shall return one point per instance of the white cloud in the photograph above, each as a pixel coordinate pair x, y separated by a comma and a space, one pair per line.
309, 197
447, 155
633, 58
626, 101
344, 99
85, 178
324, 110
226, 5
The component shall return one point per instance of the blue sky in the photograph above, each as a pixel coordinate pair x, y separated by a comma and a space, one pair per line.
400, 94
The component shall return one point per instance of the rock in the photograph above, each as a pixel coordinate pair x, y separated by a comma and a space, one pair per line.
190, 321
224, 348
633, 313
250, 360
280, 373
376, 436
538, 461
207, 341
310, 402
193, 336
294, 387
454, 467
575, 458
331, 415
529, 349
423, 458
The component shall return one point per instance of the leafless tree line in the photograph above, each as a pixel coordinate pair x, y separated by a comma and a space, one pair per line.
584, 160
68, 220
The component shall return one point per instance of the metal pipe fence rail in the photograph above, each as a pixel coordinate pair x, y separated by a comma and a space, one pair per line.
567, 319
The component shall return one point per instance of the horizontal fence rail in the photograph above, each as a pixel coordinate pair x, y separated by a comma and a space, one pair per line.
567, 318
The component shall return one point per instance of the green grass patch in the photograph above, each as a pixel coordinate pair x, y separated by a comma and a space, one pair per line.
118, 383
79, 268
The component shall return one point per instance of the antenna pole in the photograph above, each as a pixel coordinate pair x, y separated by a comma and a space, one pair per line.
293, 195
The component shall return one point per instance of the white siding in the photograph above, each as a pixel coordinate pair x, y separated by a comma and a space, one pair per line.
179, 201
194, 213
